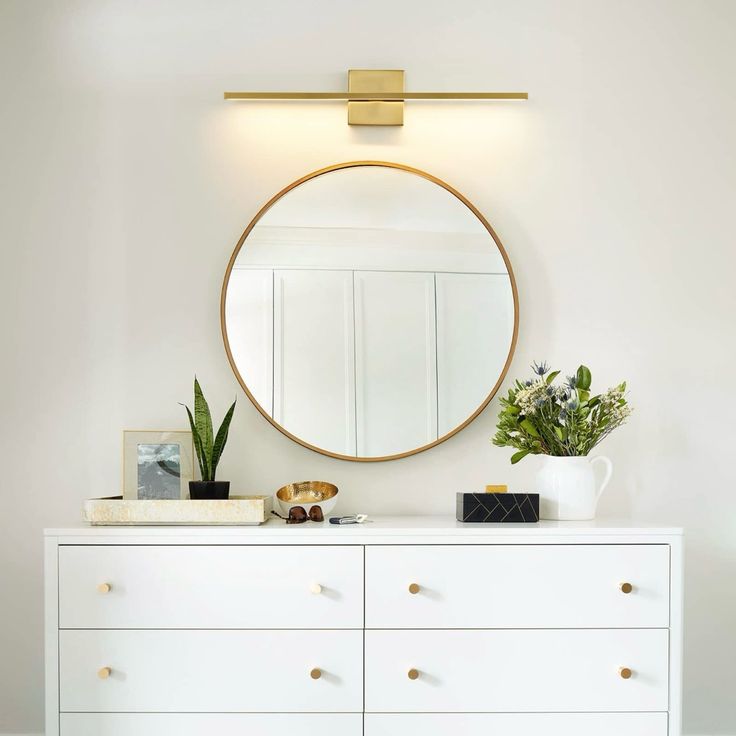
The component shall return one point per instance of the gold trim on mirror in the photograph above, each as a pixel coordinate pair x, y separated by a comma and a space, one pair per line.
254, 222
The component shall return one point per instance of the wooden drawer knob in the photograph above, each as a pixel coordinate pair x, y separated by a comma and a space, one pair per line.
626, 588
104, 588
316, 673
625, 672
315, 588
104, 673
413, 674
414, 588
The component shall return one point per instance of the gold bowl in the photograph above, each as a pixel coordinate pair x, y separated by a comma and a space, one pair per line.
308, 493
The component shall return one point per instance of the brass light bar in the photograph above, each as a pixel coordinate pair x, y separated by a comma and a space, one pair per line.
400, 96
376, 96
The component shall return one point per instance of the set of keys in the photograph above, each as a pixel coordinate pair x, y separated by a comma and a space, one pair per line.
353, 519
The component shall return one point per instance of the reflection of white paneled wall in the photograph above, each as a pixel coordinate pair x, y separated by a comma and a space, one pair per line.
475, 324
395, 361
370, 363
249, 315
314, 357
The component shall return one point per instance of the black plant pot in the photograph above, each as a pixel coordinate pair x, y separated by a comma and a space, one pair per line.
209, 489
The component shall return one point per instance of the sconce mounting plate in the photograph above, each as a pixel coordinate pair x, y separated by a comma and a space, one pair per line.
375, 112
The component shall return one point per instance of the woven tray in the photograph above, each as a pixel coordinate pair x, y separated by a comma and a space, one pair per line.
235, 511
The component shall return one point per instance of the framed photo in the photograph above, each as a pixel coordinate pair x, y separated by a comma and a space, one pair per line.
157, 464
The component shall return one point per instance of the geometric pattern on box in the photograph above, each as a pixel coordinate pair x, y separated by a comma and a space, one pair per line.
498, 507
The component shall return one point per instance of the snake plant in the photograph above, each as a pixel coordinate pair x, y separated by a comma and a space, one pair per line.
208, 446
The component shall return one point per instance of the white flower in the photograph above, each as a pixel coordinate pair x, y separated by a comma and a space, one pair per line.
527, 398
621, 413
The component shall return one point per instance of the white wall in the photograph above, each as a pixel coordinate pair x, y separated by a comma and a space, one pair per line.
126, 181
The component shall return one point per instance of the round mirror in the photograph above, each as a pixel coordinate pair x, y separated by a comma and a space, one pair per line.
369, 311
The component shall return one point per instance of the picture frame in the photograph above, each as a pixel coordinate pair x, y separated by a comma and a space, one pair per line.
157, 464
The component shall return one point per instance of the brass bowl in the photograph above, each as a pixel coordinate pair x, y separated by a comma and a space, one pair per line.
308, 493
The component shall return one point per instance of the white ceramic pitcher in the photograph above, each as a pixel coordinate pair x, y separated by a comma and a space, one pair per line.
567, 487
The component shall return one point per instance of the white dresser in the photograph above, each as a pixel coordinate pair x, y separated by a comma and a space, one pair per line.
404, 625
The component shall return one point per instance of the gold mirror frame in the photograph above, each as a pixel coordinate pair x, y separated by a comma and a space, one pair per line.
314, 175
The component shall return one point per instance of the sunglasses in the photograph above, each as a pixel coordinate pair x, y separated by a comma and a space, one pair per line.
298, 515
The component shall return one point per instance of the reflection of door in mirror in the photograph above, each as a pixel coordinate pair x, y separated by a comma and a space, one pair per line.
369, 312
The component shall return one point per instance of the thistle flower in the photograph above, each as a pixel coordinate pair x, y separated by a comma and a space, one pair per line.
540, 368
572, 382
572, 405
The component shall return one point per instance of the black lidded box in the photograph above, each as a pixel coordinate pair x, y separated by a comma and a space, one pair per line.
498, 507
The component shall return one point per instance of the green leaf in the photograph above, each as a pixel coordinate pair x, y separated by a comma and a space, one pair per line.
583, 395
203, 469
512, 410
518, 456
551, 377
203, 421
583, 378
560, 434
529, 428
221, 438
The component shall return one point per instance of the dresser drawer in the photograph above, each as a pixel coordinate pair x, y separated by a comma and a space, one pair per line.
215, 724
211, 671
506, 586
514, 724
181, 587
521, 670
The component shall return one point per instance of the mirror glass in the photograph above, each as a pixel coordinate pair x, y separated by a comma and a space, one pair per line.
369, 311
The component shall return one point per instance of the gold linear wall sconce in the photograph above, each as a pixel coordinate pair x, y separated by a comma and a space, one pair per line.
376, 96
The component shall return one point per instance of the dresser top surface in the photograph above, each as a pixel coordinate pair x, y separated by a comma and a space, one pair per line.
378, 528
